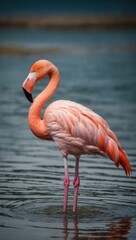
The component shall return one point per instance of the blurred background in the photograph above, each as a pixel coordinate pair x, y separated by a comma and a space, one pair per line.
93, 43
77, 7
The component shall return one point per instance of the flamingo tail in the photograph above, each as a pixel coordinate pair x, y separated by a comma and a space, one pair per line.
123, 160
118, 155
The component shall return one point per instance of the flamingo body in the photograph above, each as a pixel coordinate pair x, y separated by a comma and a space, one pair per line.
75, 129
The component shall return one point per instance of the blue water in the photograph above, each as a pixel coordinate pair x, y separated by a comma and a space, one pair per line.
98, 70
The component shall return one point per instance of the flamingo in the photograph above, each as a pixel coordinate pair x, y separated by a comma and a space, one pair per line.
74, 128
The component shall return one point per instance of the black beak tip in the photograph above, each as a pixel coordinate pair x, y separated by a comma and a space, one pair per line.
28, 95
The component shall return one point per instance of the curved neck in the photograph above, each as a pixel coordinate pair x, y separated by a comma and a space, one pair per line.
36, 124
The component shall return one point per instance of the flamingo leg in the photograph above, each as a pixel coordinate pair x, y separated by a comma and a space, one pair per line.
76, 184
66, 184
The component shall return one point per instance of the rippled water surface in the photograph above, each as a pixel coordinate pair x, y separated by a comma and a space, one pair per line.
98, 69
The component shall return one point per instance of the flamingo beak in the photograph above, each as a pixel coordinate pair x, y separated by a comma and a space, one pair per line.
28, 95
28, 86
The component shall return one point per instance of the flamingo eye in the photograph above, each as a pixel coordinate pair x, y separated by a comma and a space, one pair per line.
37, 69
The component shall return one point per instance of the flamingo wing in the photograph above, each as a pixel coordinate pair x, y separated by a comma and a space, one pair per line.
78, 130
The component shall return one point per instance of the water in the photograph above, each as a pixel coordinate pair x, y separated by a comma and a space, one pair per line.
98, 70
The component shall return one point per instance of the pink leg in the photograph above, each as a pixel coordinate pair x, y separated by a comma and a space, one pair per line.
76, 184
66, 185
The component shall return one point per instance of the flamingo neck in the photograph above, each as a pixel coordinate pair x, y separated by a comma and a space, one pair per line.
36, 124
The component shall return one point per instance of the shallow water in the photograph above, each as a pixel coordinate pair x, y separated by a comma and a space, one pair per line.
98, 70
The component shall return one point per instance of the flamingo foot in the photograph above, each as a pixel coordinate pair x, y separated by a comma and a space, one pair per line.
66, 187
76, 184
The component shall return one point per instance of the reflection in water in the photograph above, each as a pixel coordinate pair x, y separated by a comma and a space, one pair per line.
117, 229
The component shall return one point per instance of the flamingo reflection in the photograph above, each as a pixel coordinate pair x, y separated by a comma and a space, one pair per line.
117, 229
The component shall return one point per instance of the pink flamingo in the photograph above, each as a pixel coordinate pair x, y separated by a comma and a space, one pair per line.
74, 128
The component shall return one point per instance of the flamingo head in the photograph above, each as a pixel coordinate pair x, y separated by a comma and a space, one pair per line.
37, 72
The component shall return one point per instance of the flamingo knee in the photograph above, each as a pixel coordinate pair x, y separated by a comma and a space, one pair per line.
66, 181
76, 182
